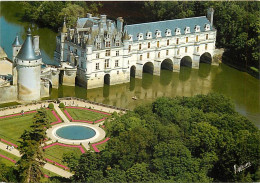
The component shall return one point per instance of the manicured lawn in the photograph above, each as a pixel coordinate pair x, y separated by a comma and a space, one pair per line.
9, 155
82, 114
13, 127
55, 153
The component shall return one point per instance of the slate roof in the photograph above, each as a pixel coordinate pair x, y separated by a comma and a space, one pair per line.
167, 24
16, 41
27, 51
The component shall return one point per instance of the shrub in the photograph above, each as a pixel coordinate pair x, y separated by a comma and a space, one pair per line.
61, 105
51, 106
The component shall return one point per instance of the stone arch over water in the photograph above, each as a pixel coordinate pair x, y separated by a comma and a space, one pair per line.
206, 58
107, 79
167, 64
132, 71
186, 62
148, 67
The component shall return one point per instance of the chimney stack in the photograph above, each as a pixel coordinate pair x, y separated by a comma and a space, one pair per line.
210, 14
119, 24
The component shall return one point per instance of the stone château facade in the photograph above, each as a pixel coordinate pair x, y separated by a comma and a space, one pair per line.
98, 51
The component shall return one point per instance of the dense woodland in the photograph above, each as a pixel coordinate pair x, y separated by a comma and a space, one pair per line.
197, 139
183, 139
237, 23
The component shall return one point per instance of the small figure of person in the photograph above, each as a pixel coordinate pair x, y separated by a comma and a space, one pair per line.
7, 147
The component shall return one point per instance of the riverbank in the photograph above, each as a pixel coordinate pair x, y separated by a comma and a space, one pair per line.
250, 70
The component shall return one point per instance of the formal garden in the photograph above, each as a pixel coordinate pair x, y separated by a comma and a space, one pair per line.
14, 125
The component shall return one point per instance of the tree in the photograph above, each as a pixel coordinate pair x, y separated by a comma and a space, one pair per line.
89, 168
71, 12
29, 166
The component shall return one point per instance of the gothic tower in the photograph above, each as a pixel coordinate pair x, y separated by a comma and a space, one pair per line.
28, 67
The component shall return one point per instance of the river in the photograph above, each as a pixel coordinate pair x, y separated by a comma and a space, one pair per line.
240, 87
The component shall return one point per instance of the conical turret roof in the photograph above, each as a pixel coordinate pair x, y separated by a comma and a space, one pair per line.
16, 41
27, 51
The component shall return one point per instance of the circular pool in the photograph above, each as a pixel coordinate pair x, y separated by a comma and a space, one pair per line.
75, 132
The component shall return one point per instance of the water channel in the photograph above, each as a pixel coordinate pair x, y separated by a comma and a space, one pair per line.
243, 89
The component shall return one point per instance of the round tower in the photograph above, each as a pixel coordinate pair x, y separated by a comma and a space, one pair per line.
16, 47
28, 66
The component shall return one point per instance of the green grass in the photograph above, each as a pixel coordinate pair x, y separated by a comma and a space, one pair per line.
55, 153
13, 127
9, 155
81, 114
9, 104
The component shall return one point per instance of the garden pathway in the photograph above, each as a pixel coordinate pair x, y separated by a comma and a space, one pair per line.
62, 115
47, 166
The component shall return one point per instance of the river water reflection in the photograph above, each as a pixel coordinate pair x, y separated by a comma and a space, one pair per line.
242, 88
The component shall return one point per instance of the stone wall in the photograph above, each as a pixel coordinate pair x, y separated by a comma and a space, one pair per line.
8, 94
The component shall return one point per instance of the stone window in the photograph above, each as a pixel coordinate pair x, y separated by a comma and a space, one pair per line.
158, 44
207, 36
140, 46
148, 55
168, 42
197, 28
129, 48
197, 38
177, 31
186, 49
95, 75
140, 36
97, 55
98, 46
187, 39
117, 43
97, 66
207, 27
69, 48
149, 45
107, 52
106, 63
117, 53
141, 57
157, 33
177, 41
117, 72
148, 35
159, 54
167, 52
198, 49
107, 44
178, 51
168, 32
206, 46
116, 63
187, 30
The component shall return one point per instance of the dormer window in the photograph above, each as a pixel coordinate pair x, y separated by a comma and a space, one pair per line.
168, 32
187, 30
117, 43
207, 27
157, 33
149, 35
197, 28
177, 31
140, 36
130, 37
